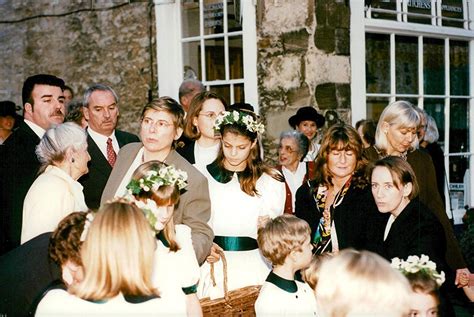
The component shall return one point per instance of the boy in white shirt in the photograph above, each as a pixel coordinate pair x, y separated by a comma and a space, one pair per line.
285, 241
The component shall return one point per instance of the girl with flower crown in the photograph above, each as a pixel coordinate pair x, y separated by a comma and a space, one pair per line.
243, 191
155, 188
425, 282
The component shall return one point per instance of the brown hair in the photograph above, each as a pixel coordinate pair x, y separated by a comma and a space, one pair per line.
169, 105
401, 172
423, 283
340, 137
65, 242
190, 130
255, 165
165, 195
282, 235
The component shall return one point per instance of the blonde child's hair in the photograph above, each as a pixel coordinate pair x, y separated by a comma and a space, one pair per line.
282, 235
118, 254
311, 274
355, 283
165, 195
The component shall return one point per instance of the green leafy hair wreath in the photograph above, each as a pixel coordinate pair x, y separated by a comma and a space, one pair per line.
165, 176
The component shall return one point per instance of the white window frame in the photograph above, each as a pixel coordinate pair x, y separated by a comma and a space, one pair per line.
361, 25
170, 57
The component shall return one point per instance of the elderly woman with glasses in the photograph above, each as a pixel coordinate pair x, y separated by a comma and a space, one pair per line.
199, 128
292, 150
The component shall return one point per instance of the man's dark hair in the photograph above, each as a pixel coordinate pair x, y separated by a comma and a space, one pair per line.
40, 79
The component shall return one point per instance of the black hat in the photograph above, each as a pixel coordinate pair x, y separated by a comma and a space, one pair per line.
306, 113
7, 108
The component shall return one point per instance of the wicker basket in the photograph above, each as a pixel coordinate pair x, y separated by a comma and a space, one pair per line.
239, 302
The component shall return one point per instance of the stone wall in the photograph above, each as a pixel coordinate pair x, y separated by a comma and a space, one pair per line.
83, 42
303, 60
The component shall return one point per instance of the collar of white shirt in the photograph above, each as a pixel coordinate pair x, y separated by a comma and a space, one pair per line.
101, 141
39, 131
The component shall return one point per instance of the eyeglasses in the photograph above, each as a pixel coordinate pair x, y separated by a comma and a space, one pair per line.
287, 149
147, 123
210, 115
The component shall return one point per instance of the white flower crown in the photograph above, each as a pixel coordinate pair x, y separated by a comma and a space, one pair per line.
240, 118
87, 224
149, 209
415, 264
165, 176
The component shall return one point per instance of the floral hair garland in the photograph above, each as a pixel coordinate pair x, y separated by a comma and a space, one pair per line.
165, 176
240, 118
415, 264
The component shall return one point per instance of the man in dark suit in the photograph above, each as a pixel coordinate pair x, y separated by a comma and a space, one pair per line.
43, 105
104, 141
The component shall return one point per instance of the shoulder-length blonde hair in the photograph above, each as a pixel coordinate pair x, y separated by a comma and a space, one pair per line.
190, 130
165, 195
363, 283
117, 254
340, 137
400, 113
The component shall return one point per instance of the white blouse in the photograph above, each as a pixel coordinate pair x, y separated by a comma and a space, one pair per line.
51, 197
205, 155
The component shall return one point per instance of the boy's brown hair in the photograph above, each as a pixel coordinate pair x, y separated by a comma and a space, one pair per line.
282, 235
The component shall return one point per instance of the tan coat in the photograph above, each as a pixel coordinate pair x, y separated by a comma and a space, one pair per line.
194, 208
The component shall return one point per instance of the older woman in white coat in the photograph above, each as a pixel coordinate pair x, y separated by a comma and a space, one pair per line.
56, 193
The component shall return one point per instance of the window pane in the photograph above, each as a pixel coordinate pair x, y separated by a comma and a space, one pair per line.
215, 60
190, 18
239, 95
433, 66
406, 64
223, 91
458, 126
377, 51
192, 58
459, 70
383, 4
457, 169
452, 9
236, 57
419, 7
375, 106
435, 108
213, 16
234, 16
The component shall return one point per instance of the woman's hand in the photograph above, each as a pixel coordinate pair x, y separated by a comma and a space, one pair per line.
214, 256
462, 277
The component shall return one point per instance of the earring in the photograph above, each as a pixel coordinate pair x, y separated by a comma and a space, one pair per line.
72, 160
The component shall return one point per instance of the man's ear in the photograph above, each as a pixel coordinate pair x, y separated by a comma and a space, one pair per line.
179, 132
85, 111
28, 108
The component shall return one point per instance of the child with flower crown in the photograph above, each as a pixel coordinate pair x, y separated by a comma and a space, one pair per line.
425, 282
155, 188
244, 192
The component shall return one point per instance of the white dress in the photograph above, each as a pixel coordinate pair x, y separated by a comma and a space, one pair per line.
59, 302
279, 298
235, 214
176, 271
51, 197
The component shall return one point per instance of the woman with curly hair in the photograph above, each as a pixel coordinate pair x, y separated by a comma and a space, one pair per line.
337, 201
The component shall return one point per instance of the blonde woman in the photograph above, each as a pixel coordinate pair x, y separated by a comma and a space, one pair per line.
362, 283
117, 257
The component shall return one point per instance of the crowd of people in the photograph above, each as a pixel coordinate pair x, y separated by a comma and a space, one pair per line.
95, 220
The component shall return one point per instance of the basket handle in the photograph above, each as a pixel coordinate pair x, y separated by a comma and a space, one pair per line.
224, 266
